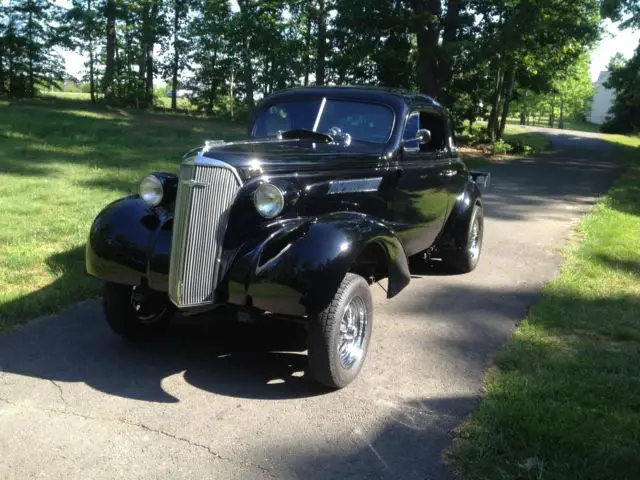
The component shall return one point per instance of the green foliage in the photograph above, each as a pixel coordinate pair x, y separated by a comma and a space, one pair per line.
625, 112
27, 34
501, 147
476, 57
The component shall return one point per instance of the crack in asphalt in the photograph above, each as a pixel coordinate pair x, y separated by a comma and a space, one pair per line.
198, 445
64, 400
142, 426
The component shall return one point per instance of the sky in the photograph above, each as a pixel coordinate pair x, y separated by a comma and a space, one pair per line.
613, 41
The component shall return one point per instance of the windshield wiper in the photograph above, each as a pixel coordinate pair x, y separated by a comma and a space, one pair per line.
306, 134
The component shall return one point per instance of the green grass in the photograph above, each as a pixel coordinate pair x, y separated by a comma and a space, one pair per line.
579, 125
61, 162
535, 141
563, 399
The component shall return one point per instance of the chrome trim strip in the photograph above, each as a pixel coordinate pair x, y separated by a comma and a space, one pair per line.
354, 185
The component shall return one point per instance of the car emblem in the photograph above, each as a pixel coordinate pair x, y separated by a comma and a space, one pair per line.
193, 183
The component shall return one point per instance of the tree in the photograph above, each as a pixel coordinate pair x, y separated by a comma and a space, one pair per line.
211, 51
108, 86
624, 115
178, 57
83, 27
27, 43
575, 89
625, 76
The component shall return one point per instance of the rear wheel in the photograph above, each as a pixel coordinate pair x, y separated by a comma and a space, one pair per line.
136, 313
339, 335
465, 258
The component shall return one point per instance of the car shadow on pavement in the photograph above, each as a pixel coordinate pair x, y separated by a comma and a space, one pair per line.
212, 354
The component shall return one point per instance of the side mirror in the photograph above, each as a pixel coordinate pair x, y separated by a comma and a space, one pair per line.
423, 136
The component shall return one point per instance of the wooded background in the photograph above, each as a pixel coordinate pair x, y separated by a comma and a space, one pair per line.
481, 58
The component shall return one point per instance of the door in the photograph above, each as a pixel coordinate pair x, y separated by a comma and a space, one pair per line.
421, 197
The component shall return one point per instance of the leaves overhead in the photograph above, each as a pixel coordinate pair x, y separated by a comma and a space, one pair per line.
472, 55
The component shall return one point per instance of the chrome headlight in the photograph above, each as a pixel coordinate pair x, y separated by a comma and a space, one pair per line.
151, 191
269, 200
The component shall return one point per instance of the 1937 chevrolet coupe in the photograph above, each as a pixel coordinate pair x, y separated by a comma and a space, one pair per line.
335, 189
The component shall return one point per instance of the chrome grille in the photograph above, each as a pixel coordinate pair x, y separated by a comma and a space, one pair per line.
204, 197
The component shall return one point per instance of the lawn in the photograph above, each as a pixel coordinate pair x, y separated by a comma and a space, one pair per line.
60, 163
573, 124
563, 397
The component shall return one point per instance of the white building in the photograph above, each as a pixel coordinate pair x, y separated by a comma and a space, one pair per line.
602, 100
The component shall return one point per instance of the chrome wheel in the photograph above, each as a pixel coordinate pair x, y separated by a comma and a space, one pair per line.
475, 241
353, 329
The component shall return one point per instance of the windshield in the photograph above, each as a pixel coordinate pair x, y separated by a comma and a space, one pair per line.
368, 122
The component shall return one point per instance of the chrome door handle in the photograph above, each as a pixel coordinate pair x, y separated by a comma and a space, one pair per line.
448, 173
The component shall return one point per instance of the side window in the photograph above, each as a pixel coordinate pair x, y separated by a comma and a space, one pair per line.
436, 124
411, 131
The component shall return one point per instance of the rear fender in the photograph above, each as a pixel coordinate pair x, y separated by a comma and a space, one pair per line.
297, 269
456, 229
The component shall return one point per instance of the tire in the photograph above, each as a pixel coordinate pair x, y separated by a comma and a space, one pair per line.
136, 325
328, 364
465, 259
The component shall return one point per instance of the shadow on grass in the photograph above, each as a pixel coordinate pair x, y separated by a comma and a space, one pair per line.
72, 284
621, 265
565, 399
43, 136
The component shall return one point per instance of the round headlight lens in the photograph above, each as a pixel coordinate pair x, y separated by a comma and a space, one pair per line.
150, 190
269, 200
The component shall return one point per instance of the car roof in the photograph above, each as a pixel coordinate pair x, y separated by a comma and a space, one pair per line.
357, 91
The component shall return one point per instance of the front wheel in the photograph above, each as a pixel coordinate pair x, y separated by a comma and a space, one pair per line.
465, 258
136, 313
339, 335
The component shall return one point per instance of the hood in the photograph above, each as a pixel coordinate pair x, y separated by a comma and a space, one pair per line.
273, 155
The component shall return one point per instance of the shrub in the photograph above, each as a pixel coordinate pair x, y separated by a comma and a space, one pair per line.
501, 147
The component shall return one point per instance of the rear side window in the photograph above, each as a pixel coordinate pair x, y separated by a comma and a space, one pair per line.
436, 124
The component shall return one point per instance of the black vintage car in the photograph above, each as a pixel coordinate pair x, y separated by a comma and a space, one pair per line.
335, 189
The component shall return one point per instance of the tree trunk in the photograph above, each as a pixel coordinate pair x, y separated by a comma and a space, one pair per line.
552, 116
426, 28
307, 43
233, 100
213, 86
449, 36
176, 56
246, 56
508, 86
321, 45
524, 114
31, 91
561, 120
148, 91
492, 130
110, 62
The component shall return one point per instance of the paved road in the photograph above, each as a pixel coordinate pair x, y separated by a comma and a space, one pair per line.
75, 401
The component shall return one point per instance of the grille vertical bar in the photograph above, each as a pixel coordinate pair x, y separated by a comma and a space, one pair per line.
205, 195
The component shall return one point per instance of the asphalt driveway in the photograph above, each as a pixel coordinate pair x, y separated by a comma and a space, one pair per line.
77, 402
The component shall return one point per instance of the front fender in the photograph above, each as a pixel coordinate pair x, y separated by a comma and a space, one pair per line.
130, 241
297, 269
